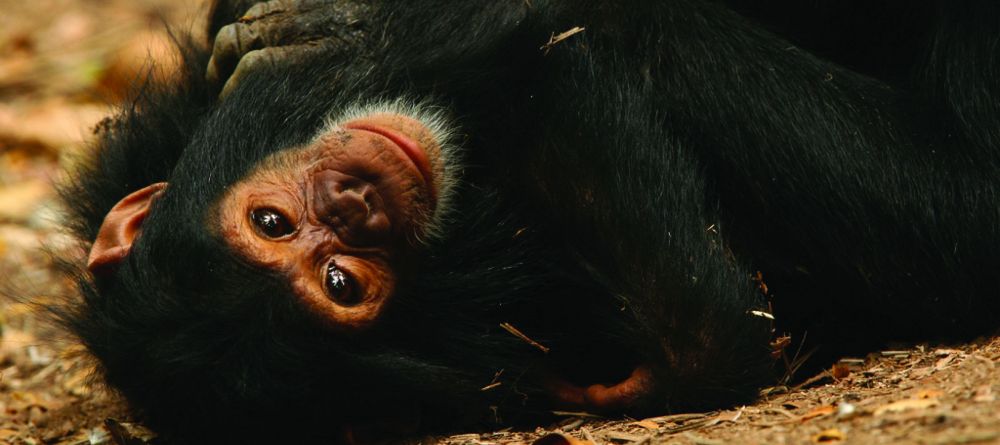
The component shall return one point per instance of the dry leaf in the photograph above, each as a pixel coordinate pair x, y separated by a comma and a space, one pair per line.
904, 405
920, 373
726, 416
698, 440
984, 394
944, 362
840, 371
560, 439
622, 436
928, 394
648, 424
779, 344
19, 201
7, 433
946, 351
54, 124
830, 435
819, 412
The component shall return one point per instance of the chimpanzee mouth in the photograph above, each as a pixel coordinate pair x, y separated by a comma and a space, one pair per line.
413, 151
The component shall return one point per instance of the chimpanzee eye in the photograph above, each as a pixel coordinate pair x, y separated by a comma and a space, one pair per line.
271, 223
340, 287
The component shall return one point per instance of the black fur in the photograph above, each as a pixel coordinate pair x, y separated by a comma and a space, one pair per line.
619, 189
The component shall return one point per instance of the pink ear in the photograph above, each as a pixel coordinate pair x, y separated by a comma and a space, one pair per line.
120, 227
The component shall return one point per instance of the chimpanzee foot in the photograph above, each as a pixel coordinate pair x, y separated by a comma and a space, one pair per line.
280, 32
601, 398
267, 57
393, 423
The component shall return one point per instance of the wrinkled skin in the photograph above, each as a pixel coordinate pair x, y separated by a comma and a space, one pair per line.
352, 198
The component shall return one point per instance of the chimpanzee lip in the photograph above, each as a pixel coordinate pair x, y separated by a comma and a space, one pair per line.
413, 151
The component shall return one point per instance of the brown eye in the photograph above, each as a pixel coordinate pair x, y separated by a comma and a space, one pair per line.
271, 223
340, 287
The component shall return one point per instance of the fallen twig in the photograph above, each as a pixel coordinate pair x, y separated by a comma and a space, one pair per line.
556, 38
510, 328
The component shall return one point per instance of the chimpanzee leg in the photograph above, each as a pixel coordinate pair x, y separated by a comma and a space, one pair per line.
812, 173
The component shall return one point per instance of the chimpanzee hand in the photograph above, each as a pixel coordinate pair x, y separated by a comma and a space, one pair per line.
279, 31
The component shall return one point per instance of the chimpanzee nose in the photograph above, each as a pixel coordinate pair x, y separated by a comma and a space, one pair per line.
352, 207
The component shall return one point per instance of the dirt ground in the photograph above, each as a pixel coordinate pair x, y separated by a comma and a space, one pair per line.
64, 63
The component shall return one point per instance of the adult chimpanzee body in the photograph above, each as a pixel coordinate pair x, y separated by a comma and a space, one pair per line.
608, 196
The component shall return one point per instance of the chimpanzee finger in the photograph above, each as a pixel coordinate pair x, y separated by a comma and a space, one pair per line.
270, 57
232, 42
264, 24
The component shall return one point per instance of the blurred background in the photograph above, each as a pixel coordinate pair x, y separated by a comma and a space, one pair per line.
64, 65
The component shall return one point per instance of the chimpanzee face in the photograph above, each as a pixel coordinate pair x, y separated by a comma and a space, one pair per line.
341, 216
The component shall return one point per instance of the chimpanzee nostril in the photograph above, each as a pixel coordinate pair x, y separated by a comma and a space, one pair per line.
351, 206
